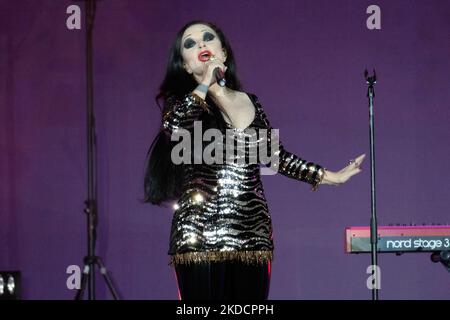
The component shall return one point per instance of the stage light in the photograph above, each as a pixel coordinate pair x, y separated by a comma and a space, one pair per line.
10, 285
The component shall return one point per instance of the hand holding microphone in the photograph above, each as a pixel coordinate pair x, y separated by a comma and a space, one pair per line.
215, 72
220, 77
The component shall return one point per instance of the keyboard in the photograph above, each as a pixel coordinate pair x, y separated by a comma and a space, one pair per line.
399, 239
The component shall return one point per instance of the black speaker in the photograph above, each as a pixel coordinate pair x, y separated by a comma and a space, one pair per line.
10, 284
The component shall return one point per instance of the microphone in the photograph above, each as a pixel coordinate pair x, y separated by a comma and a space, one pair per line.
220, 77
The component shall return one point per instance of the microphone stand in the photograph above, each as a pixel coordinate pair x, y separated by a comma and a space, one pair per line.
91, 260
373, 220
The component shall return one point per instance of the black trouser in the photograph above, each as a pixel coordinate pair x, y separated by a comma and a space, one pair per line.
223, 280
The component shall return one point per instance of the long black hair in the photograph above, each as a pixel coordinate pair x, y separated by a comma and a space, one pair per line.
163, 179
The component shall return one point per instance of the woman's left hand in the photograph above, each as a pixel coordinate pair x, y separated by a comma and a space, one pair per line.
343, 175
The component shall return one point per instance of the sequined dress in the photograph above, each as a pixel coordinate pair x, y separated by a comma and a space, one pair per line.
222, 213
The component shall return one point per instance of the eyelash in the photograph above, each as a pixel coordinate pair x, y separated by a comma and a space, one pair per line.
206, 37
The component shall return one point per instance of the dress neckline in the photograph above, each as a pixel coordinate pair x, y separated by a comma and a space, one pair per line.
254, 116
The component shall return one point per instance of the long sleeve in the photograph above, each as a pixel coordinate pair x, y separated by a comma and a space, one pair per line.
291, 165
182, 113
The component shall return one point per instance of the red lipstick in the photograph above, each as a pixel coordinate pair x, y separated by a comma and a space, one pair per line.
204, 55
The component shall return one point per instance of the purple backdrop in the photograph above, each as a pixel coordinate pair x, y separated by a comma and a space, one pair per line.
305, 61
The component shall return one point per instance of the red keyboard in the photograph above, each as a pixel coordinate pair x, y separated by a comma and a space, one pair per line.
399, 239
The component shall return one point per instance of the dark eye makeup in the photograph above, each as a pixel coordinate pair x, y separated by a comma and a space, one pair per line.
208, 36
189, 43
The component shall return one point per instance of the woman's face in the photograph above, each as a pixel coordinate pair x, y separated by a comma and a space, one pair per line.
197, 42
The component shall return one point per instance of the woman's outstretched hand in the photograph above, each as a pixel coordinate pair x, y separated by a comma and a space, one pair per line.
341, 176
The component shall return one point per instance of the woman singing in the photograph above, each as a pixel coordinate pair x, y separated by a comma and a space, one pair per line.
221, 242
